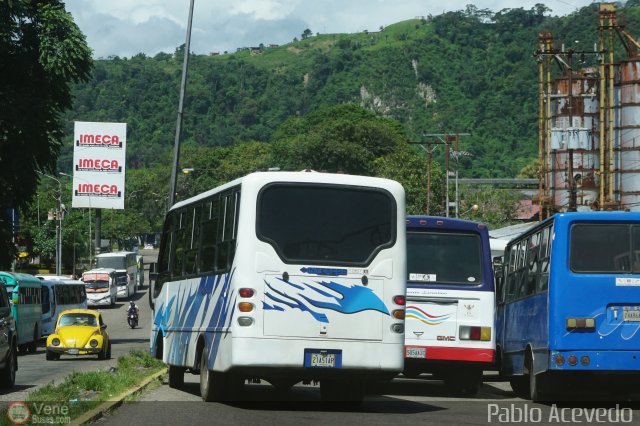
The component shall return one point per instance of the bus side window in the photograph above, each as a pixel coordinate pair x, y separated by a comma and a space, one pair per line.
545, 258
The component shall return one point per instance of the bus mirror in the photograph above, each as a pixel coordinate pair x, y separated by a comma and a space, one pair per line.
152, 284
153, 274
497, 264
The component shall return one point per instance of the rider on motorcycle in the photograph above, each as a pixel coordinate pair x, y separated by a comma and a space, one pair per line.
133, 307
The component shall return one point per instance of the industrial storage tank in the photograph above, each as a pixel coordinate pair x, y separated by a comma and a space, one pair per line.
574, 139
627, 131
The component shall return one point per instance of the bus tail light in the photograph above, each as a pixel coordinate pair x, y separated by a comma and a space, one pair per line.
245, 321
585, 360
581, 324
245, 307
399, 300
572, 360
559, 360
246, 292
397, 328
467, 332
398, 314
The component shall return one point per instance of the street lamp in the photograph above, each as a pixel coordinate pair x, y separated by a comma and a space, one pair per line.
90, 251
58, 217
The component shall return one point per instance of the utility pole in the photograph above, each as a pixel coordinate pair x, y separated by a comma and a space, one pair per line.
57, 216
183, 85
444, 139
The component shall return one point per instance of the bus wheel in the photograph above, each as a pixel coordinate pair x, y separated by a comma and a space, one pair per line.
52, 356
345, 390
465, 383
212, 384
22, 348
8, 373
176, 376
537, 384
519, 385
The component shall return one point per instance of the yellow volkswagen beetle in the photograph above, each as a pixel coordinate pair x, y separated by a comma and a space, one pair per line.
79, 332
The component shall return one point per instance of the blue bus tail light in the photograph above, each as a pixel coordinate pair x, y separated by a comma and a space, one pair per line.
572, 360
467, 332
581, 324
559, 360
584, 360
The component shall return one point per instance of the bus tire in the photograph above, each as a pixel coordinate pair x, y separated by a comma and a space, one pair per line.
176, 377
342, 390
52, 356
519, 385
212, 384
8, 373
22, 348
467, 382
538, 384
33, 346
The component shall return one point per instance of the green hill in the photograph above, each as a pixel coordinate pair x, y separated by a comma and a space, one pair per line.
468, 71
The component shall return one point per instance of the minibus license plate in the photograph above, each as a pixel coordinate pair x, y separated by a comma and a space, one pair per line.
631, 316
316, 358
323, 360
416, 353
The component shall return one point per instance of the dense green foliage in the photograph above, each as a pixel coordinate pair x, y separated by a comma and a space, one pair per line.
42, 52
354, 103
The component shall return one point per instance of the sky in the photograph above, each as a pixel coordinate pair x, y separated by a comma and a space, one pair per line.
127, 27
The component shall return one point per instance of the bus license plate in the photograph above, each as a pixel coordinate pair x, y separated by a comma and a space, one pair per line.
315, 358
631, 316
416, 353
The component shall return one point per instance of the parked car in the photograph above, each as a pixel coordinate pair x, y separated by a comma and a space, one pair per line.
79, 332
8, 341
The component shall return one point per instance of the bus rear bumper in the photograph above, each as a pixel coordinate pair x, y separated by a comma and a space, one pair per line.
442, 353
275, 357
605, 361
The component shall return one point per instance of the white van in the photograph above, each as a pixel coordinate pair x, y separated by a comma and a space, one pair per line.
101, 288
126, 267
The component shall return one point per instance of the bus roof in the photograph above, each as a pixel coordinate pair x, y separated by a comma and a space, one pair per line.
115, 254
17, 278
304, 176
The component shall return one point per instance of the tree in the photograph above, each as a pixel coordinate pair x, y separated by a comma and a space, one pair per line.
42, 52
306, 34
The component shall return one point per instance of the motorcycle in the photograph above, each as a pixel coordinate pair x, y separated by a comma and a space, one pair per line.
132, 318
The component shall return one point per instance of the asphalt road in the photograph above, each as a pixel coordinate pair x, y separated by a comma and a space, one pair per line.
34, 370
401, 402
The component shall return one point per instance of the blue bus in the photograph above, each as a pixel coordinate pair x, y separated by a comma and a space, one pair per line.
569, 304
450, 301
25, 294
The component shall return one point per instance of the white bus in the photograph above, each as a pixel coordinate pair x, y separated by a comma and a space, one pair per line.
100, 286
126, 265
283, 277
60, 294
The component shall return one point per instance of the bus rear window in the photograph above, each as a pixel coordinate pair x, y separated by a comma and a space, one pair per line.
605, 248
324, 224
442, 257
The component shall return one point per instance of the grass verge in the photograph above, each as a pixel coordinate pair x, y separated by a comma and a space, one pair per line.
81, 392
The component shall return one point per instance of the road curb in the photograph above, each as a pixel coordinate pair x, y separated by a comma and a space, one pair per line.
99, 411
